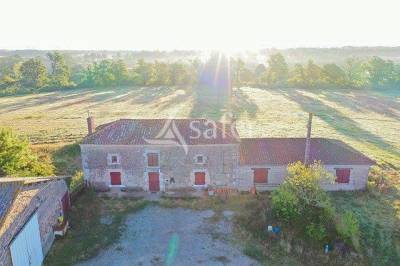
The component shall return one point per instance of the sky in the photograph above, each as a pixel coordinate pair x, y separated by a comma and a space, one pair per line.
202, 24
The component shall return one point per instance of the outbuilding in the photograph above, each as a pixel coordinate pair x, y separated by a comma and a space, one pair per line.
30, 209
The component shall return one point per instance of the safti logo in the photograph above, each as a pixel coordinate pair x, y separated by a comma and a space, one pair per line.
206, 129
169, 135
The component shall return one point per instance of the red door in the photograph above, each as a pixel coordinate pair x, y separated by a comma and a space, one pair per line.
154, 181
115, 178
199, 178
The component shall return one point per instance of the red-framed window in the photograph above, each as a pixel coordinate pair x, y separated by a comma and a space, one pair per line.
343, 175
152, 159
199, 178
260, 175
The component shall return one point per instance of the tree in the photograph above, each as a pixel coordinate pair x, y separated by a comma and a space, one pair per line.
381, 73
277, 72
313, 75
16, 157
143, 71
160, 75
34, 73
260, 73
60, 73
120, 72
297, 76
10, 70
355, 73
334, 76
238, 67
300, 201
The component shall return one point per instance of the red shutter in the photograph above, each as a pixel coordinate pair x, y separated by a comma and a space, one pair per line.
152, 159
115, 178
343, 175
260, 175
199, 178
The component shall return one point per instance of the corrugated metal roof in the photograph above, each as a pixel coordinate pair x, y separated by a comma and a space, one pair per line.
138, 131
282, 151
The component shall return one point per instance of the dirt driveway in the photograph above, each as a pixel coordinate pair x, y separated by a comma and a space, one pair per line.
160, 236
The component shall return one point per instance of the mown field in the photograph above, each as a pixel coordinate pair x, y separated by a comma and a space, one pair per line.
367, 120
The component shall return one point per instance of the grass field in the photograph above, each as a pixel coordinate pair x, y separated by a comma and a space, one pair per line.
367, 120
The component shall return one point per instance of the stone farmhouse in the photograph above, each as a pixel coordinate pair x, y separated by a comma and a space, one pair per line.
171, 155
29, 218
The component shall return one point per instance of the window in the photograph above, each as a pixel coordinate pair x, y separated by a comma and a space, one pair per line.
113, 159
152, 159
199, 178
343, 175
260, 175
200, 159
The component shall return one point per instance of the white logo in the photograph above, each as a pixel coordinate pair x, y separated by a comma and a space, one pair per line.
169, 135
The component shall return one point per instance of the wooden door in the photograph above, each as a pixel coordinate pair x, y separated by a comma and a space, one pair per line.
199, 178
115, 178
154, 181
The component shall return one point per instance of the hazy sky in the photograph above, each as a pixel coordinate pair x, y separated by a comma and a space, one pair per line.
201, 24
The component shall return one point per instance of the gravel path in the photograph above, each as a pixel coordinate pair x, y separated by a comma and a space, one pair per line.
159, 236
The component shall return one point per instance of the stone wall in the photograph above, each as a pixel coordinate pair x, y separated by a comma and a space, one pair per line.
277, 174
221, 162
47, 203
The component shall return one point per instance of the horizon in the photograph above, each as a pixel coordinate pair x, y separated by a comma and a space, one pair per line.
187, 25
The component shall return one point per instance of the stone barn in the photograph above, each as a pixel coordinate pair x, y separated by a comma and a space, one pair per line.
29, 211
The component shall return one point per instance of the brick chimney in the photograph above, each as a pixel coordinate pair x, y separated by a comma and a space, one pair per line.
308, 140
90, 124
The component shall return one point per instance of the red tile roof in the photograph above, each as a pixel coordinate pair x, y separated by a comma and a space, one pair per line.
282, 151
139, 131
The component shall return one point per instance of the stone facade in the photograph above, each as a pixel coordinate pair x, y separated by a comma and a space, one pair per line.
176, 168
221, 167
277, 174
45, 199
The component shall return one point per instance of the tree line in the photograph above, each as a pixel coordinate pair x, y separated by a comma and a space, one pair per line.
355, 73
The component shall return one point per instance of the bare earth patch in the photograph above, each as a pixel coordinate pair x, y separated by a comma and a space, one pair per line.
164, 236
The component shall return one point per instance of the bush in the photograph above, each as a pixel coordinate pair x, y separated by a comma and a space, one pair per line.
285, 204
302, 203
316, 232
348, 228
76, 182
17, 158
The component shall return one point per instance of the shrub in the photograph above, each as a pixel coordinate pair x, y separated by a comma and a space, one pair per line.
285, 204
302, 203
76, 181
17, 158
348, 228
316, 232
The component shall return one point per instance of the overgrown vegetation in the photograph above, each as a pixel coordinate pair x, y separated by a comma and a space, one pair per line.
17, 158
89, 233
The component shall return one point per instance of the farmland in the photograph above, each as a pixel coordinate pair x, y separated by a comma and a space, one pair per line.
367, 120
